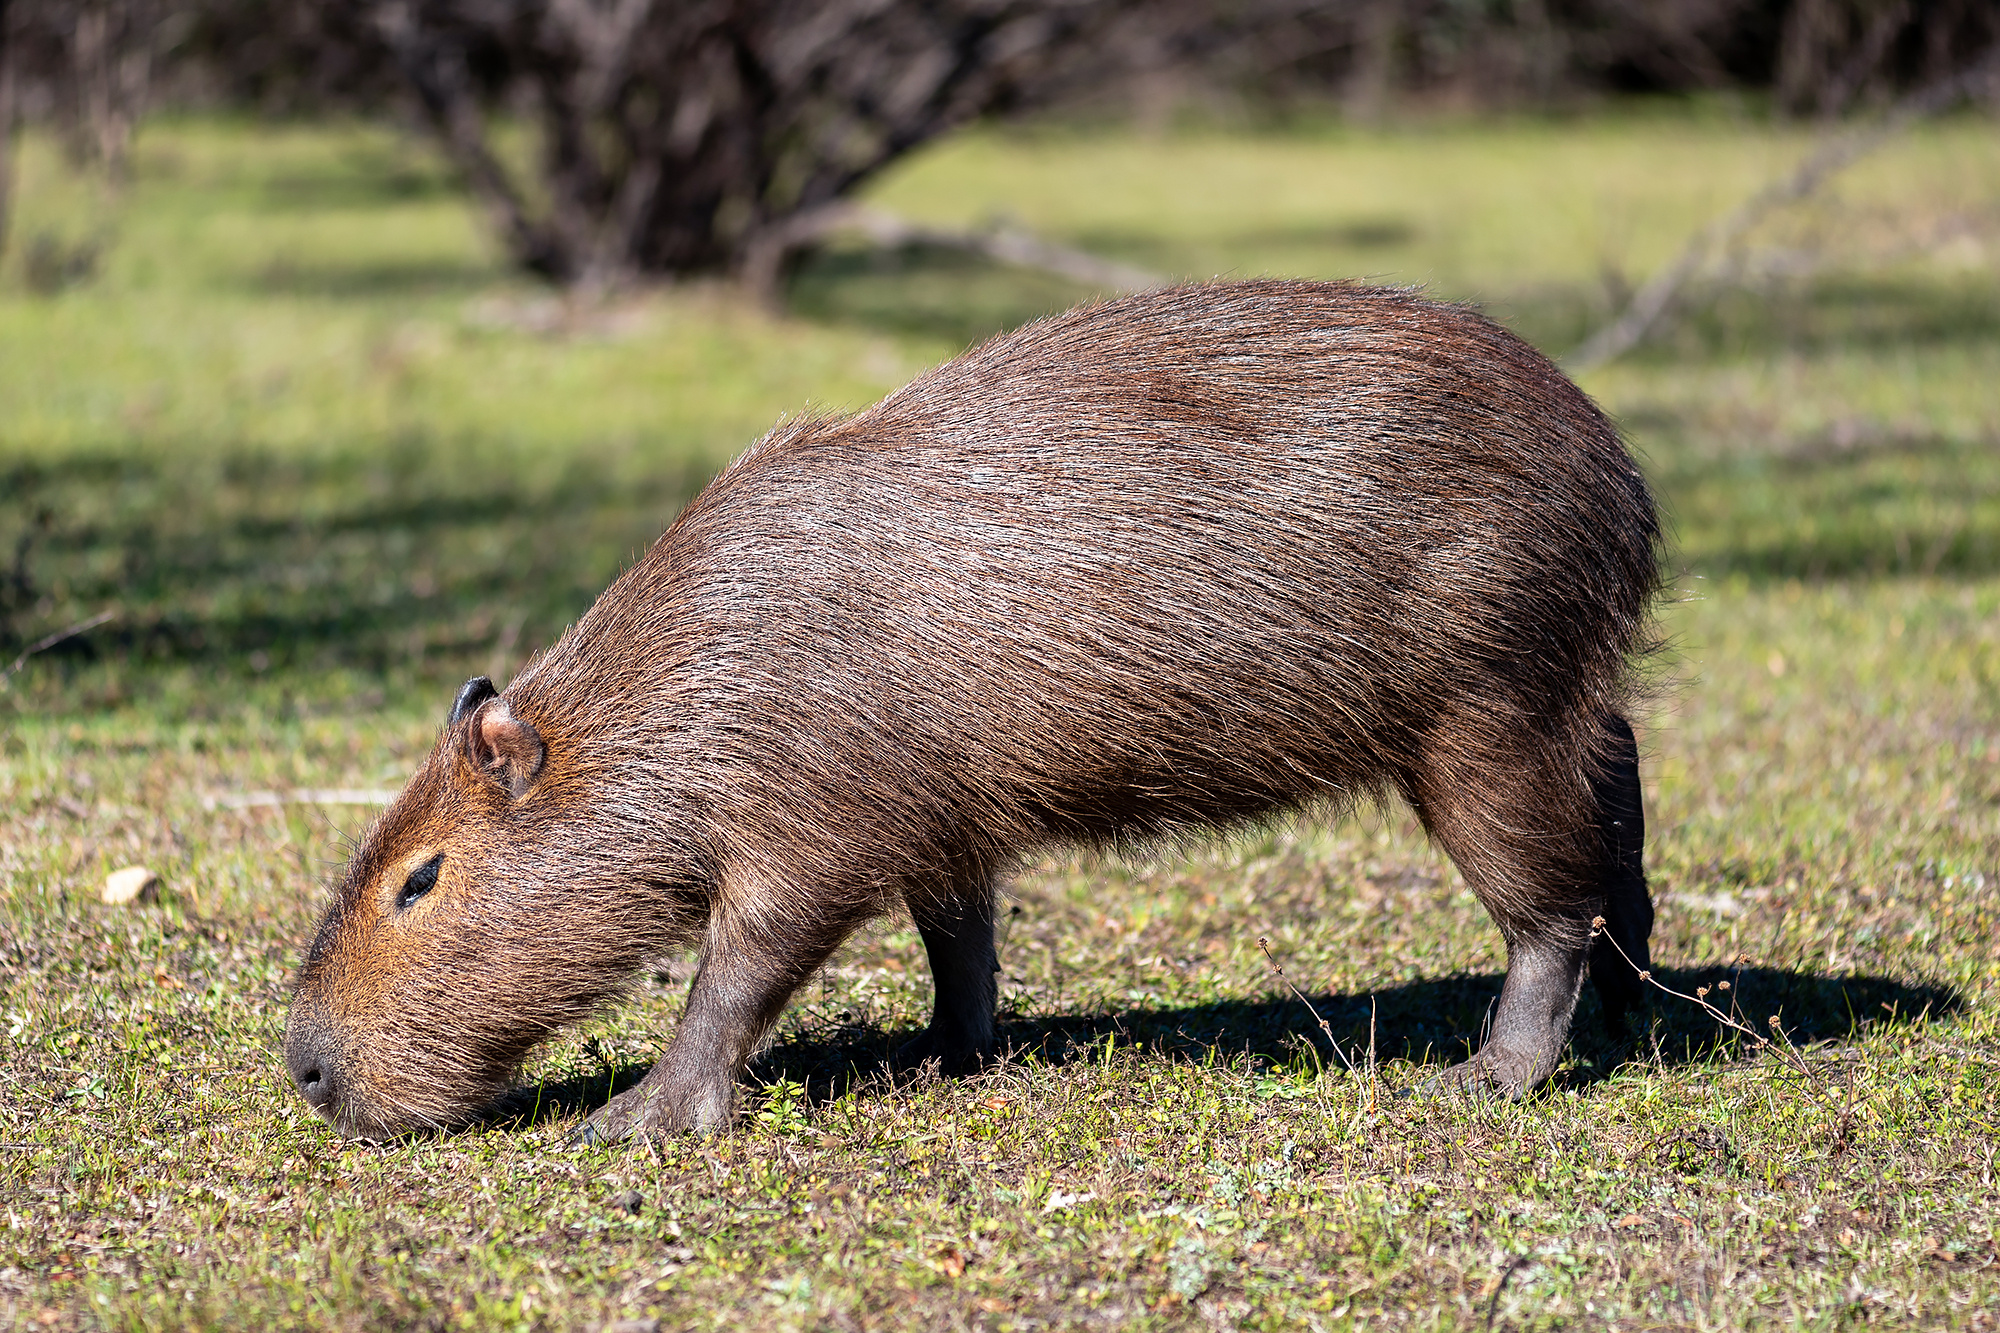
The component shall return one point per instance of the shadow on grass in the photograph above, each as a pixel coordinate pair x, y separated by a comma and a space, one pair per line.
1351, 246
945, 293
357, 281
925, 291
361, 179
563, 1099
1893, 506
362, 559
1432, 1023
1831, 314
1837, 313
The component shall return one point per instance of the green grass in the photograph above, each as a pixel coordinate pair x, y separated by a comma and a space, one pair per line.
325, 458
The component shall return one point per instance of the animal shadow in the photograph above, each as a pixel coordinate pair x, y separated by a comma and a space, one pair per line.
1442, 1020
1432, 1022
557, 1099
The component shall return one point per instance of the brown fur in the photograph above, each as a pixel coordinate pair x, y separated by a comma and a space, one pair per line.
1160, 565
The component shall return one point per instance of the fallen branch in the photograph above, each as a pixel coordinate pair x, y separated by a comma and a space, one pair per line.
49, 641
764, 259
1833, 155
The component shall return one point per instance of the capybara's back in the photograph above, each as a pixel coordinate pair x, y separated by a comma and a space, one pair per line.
1162, 564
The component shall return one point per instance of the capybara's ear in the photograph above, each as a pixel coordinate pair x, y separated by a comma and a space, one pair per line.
504, 747
472, 694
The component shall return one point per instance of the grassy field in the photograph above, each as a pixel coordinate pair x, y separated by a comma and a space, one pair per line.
277, 404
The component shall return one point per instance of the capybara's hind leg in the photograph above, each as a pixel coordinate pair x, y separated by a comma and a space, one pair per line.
1527, 848
1620, 951
957, 927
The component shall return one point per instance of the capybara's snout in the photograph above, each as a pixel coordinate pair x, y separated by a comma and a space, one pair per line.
312, 1055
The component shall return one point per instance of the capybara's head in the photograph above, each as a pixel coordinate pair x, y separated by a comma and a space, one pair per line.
469, 924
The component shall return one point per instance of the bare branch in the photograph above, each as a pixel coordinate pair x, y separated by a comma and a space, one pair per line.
1264, 947
1834, 154
436, 74
116, 75
1838, 91
49, 641
604, 35
765, 257
1786, 1051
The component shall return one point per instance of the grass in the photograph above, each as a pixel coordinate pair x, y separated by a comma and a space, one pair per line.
326, 458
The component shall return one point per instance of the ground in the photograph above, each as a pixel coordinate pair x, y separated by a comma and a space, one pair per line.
275, 402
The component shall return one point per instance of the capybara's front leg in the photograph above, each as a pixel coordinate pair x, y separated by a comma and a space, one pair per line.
693, 1085
739, 990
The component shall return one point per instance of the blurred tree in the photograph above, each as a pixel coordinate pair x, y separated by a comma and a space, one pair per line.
680, 136
89, 62
1832, 53
112, 50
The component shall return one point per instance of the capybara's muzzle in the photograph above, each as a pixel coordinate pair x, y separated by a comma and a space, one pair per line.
313, 1057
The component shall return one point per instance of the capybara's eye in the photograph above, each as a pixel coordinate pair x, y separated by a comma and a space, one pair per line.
420, 882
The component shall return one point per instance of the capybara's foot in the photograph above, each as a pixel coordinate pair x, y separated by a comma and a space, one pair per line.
650, 1111
954, 1057
632, 1112
1494, 1072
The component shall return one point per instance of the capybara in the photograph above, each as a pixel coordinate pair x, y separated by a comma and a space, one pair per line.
1175, 562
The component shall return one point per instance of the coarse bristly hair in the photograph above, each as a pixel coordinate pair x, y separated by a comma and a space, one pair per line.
1165, 563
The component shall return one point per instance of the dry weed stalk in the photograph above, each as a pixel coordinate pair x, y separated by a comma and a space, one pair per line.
1264, 947
1783, 1046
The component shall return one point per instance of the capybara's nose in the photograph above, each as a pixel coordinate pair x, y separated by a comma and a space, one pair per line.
315, 1068
316, 1083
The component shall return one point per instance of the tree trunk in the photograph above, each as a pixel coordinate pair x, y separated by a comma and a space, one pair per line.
111, 51
687, 136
